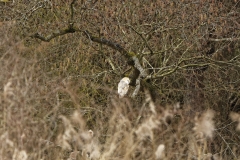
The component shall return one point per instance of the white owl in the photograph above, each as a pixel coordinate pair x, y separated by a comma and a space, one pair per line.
123, 86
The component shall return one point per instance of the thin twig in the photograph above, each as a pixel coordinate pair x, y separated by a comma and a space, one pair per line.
224, 39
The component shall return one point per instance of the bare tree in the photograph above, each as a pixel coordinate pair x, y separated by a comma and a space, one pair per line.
160, 40
186, 51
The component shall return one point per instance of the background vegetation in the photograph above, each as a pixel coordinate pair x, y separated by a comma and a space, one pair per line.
61, 61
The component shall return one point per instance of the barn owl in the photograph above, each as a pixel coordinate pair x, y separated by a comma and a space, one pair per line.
123, 86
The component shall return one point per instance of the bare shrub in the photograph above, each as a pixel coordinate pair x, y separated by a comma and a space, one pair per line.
60, 62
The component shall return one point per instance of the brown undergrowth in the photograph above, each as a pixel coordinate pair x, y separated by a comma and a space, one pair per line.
50, 117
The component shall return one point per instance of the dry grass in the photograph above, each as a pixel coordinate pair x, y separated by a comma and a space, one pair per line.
47, 117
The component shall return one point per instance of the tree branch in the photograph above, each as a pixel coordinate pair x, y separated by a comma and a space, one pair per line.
145, 41
54, 34
72, 14
138, 71
109, 43
224, 39
137, 88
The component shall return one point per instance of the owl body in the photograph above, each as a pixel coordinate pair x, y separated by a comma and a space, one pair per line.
123, 87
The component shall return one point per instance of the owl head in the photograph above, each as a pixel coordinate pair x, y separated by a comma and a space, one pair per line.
126, 80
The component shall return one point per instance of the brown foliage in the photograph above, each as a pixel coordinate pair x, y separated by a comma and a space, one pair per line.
53, 92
